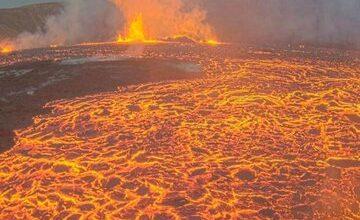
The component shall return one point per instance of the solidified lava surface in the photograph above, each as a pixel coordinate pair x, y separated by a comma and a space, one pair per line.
261, 134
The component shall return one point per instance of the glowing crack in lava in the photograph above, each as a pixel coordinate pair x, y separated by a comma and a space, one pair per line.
265, 135
135, 32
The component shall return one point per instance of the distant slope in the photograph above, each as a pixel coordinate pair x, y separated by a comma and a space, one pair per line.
27, 18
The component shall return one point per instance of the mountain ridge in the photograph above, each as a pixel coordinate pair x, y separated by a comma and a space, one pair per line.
29, 18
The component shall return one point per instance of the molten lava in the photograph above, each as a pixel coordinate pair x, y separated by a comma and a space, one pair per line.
212, 42
6, 49
261, 134
135, 32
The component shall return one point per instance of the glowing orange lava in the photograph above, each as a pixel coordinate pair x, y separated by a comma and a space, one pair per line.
135, 32
6, 49
212, 42
263, 135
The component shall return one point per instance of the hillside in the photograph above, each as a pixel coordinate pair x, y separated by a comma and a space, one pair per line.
28, 18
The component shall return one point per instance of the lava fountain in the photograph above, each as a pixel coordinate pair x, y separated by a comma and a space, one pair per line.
135, 32
156, 21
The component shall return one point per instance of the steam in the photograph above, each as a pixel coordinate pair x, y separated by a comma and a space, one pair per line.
83, 21
168, 18
80, 21
282, 21
246, 21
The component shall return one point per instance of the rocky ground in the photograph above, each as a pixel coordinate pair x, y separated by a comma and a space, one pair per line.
181, 131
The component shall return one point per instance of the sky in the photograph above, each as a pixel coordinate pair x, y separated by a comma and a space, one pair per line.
16, 3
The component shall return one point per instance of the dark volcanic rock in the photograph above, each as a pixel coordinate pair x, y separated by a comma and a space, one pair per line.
162, 216
111, 183
267, 213
134, 108
61, 168
357, 192
260, 200
87, 207
314, 132
177, 201
344, 162
198, 172
333, 172
301, 209
142, 191
353, 118
6, 139
246, 174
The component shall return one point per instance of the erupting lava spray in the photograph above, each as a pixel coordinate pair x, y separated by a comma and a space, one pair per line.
135, 32
149, 20
125, 21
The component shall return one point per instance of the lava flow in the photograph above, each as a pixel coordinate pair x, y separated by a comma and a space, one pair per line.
262, 134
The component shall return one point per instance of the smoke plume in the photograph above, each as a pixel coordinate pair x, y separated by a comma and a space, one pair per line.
80, 21
103, 20
317, 22
168, 18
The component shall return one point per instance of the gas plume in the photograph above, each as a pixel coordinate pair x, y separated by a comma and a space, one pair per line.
105, 20
79, 21
318, 22
167, 18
